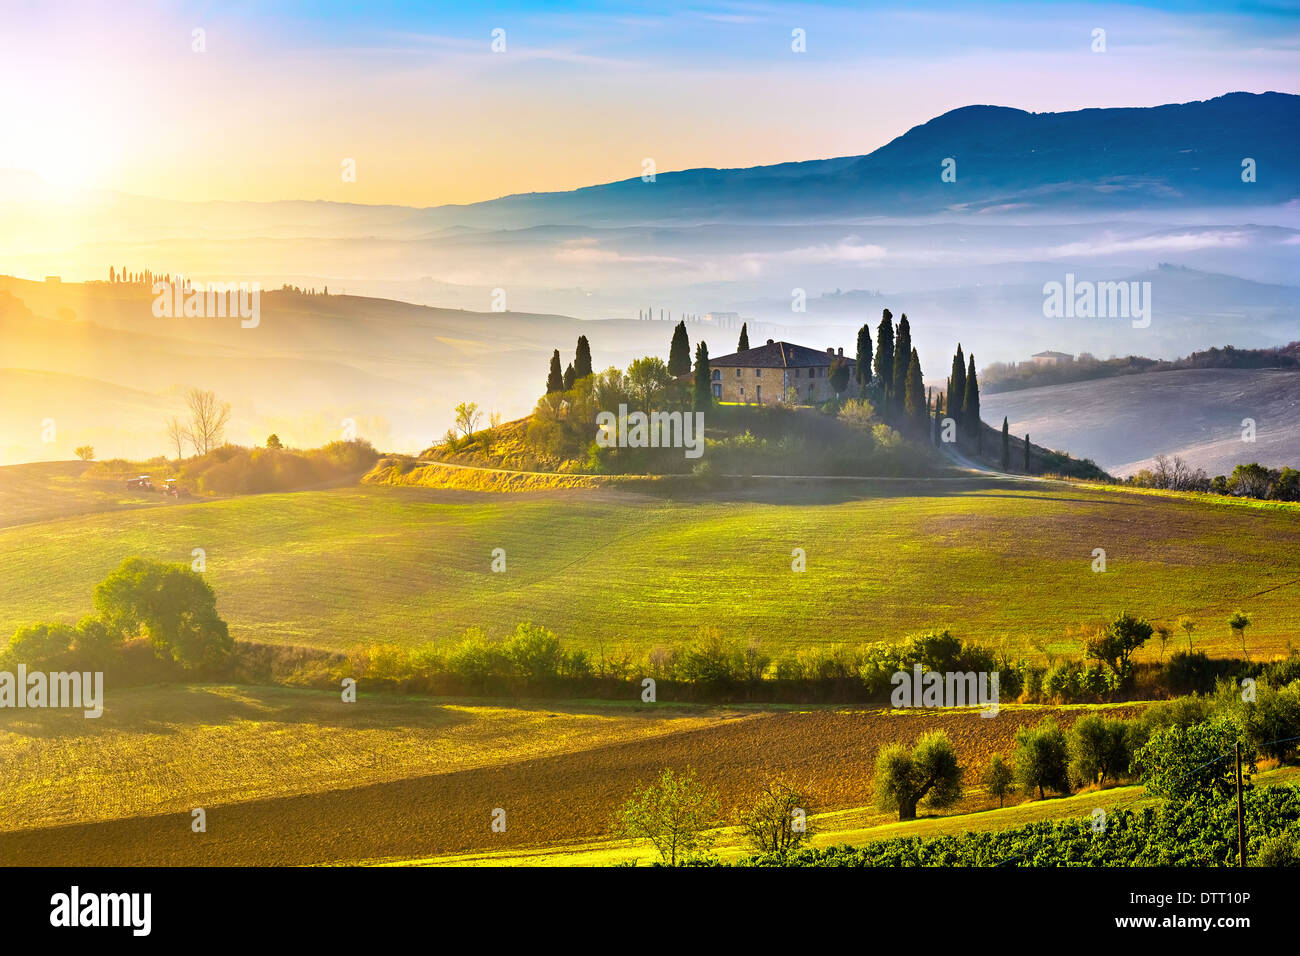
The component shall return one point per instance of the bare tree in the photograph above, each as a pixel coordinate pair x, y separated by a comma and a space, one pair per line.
777, 822
178, 435
1176, 475
208, 419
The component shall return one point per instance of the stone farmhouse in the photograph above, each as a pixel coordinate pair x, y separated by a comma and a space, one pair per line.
765, 375
1052, 358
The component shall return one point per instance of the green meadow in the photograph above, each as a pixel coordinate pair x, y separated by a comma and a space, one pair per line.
1005, 564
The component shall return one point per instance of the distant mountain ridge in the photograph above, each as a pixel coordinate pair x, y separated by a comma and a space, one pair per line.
1005, 159
1091, 162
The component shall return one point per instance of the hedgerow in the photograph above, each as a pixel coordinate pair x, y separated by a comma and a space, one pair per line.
1196, 833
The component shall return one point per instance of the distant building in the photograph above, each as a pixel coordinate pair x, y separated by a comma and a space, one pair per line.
766, 374
1052, 358
724, 320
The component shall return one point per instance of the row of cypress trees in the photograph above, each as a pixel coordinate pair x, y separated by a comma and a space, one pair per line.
891, 372
580, 367
679, 363
964, 385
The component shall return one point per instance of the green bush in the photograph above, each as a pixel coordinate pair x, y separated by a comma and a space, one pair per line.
1031, 679
1280, 850
1061, 681
1283, 672
477, 660
39, 645
1179, 712
235, 470
171, 605
1184, 763
1272, 720
535, 653
1192, 673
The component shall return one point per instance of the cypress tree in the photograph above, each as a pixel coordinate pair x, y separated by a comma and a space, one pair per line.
1026, 453
555, 380
679, 353
902, 363
885, 353
938, 419
1006, 445
743, 344
582, 358
970, 406
569, 378
863, 371
703, 394
915, 407
957, 386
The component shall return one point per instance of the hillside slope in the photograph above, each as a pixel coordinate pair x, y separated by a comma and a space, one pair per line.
1001, 563
1122, 423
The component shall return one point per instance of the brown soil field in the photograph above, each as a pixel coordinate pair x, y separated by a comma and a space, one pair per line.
552, 799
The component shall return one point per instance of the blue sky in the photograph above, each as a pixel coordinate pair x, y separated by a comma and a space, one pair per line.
583, 92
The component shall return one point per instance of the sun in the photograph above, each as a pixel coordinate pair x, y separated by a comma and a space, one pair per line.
68, 159
70, 153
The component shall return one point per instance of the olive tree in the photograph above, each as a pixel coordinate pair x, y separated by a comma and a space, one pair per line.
928, 772
1115, 645
1042, 759
1100, 748
999, 778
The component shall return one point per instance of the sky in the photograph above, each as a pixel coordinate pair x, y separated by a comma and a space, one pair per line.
272, 101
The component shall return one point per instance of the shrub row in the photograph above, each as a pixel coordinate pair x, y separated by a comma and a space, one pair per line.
1195, 833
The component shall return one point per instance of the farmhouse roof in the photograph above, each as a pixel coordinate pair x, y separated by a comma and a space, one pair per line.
778, 355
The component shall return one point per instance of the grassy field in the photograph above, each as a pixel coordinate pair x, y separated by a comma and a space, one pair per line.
297, 777
51, 490
1003, 564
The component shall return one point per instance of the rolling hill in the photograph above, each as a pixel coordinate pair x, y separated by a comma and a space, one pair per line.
1002, 563
1123, 422
1098, 160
